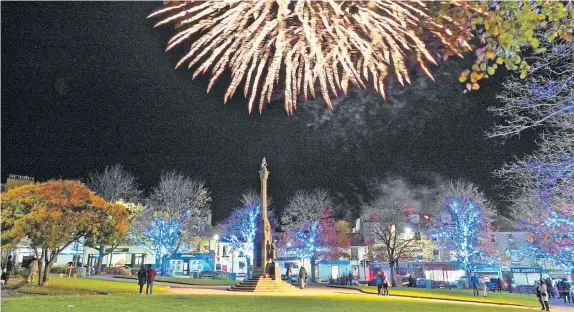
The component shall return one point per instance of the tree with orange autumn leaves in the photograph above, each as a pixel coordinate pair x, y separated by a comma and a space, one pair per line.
55, 214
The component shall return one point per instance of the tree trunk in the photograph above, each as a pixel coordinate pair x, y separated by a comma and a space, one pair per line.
313, 269
48, 266
100, 260
111, 255
393, 274
41, 263
163, 265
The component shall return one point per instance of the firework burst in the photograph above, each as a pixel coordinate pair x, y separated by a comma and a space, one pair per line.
303, 45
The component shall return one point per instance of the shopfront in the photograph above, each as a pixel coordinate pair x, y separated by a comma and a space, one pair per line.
488, 272
190, 263
443, 271
332, 269
525, 276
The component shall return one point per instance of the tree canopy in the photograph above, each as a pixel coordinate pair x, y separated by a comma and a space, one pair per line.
54, 214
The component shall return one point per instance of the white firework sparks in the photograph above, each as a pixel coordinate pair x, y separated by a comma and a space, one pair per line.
304, 45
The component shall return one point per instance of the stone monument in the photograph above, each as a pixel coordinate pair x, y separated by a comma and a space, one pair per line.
264, 248
266, 273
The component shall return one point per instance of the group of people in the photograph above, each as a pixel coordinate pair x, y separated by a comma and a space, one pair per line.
563, 287
146, 276
477, 283
348, 279
32, 266
302, 275
382, 284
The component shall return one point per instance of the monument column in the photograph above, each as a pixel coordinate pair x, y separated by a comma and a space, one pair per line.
263, 241
263, 174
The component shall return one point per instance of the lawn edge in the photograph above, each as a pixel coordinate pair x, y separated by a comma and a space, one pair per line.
437, 298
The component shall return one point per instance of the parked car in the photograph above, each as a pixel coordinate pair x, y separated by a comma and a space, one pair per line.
119, 270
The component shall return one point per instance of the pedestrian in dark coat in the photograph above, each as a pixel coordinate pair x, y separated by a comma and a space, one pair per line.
142, 277
302, 277
8, 267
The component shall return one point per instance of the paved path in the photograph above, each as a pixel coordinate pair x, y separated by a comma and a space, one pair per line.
314, 290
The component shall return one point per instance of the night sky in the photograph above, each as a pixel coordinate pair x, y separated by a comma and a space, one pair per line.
87, 85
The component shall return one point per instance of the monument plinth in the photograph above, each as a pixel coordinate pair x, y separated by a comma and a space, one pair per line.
266, 273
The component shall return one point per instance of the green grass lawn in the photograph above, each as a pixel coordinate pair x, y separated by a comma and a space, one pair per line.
458, 294
331, 303
82, 286
188, 281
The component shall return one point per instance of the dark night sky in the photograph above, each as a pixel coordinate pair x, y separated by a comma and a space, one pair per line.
88, 84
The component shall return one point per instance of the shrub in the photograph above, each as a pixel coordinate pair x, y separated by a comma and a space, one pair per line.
58, 270
118, 271
221, 276
19, 271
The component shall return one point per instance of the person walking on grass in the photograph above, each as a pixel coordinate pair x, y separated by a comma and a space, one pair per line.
150, 278
379, 281
303, 277
7, 269
385, 285
33, 269
474, 282
542, 294
142, 277
484, 287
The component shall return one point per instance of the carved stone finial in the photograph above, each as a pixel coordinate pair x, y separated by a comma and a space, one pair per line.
263, 163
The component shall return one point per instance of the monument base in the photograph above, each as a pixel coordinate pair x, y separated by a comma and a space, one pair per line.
263, 284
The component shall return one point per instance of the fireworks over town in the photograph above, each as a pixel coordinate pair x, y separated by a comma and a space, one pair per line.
297, 43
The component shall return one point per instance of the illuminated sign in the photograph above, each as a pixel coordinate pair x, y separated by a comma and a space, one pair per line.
526, 270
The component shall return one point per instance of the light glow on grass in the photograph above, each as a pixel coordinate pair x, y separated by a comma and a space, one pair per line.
214, 303
458, 294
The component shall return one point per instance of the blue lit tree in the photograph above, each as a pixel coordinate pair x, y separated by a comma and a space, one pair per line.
464, 227
552, 235
240, 228
543, 183
174, 212
317, 239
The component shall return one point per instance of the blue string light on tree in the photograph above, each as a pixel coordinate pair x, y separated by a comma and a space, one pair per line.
461, 235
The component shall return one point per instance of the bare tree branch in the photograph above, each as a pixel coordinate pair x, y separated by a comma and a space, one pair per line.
303, 207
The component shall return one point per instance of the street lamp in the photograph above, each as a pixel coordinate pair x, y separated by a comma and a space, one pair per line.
215, 238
